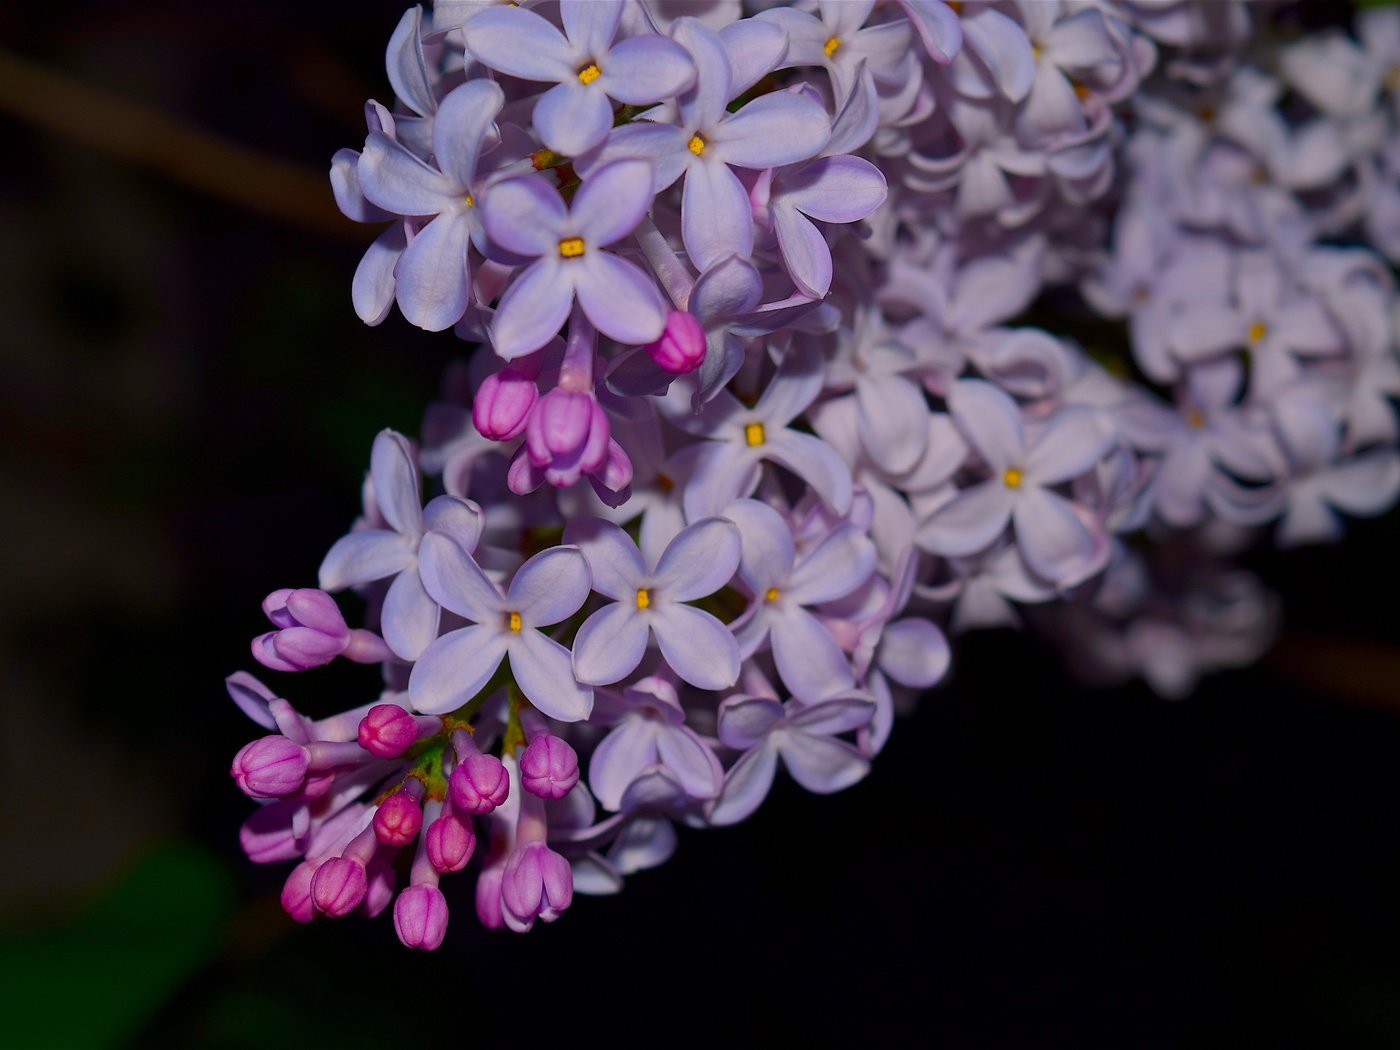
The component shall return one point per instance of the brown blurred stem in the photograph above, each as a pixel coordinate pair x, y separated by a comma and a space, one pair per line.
1357, 672
168, 146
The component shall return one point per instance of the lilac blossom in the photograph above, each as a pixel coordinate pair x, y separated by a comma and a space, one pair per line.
651, 602
586, 64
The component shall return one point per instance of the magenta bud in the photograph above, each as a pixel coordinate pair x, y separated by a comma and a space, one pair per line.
565, 424
398, 819
270, 767
536, 883
311, 632
488, 898
420, 917
548, 767
503, 404
451, 843
296, 892
339, 885
382, 880
479, 784
681, 347
387, 731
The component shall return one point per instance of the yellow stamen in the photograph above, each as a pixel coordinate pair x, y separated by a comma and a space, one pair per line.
1082, 93
571, 247
771, 594
1195, 419
754, 435
1012, 478
955, 6
1035, 53
513, 622
1257, 331
589, 73
665, 483
471, 201
830, 46
643, 598
696, 145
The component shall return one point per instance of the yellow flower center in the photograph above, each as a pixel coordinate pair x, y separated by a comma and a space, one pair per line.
1012, 478
571, 247
643, 598
589, 73
471, 201
1195, 419
513, 622
696, 145
1257, 331
830, 46
771, 594
754, 435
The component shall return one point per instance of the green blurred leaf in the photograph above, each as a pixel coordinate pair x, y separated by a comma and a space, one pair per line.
95, 982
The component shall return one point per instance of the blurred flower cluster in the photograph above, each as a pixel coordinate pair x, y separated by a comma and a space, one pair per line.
801, 335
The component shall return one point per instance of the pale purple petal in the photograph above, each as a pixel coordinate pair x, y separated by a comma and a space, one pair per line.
991, 422
545, 674
810, 662
551, 586
914, 653
732, 286
703, 104
691, 760
399, 182
773, 130
409, 617
533, 309
699, 561
610, 644
837, 189
746, 720
454, 668
796, 385
766, 544
821, 764
372, 287
431, 274
614, 562
612, 201
893, 421
815, 462
696, 646
834, 568
754, 49
1069, 446
359, 557
520, 43
459, 519
572, 117
408, 75
662, 145
1366, 485
1056, 543
646, 69
619, 299
463, 119
591, 25
395, 477
456, 582
806, 255
840, 714
716, 220
970, 522
1003, 46
619, 758
525, 216
745, 786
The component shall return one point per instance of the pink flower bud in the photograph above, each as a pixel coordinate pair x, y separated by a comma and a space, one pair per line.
568, 431
270, 767
387, 731
503, 404
488, 897
311, 633
398, 819
339, 886
548, 767
296, 892
681, 347
536, 883
451, 843
479, 784
420, 917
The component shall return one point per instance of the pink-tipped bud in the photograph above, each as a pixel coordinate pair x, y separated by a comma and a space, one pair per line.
311, 633
681, 347
479, 784
383, 879
420, 917
567, 435
451, 842
339, 885
387, 731
296, 892
398, 819
503, 404
548, 767
488, 897
270, 767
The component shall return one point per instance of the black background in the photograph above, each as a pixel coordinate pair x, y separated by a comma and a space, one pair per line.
188, 406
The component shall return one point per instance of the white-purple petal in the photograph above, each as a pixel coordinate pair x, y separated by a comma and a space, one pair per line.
551, 586
695, 645
544, 671
454, 668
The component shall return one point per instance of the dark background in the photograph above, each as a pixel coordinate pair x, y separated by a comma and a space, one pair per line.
188, 404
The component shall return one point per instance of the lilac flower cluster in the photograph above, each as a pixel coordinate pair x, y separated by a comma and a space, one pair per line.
749, 420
